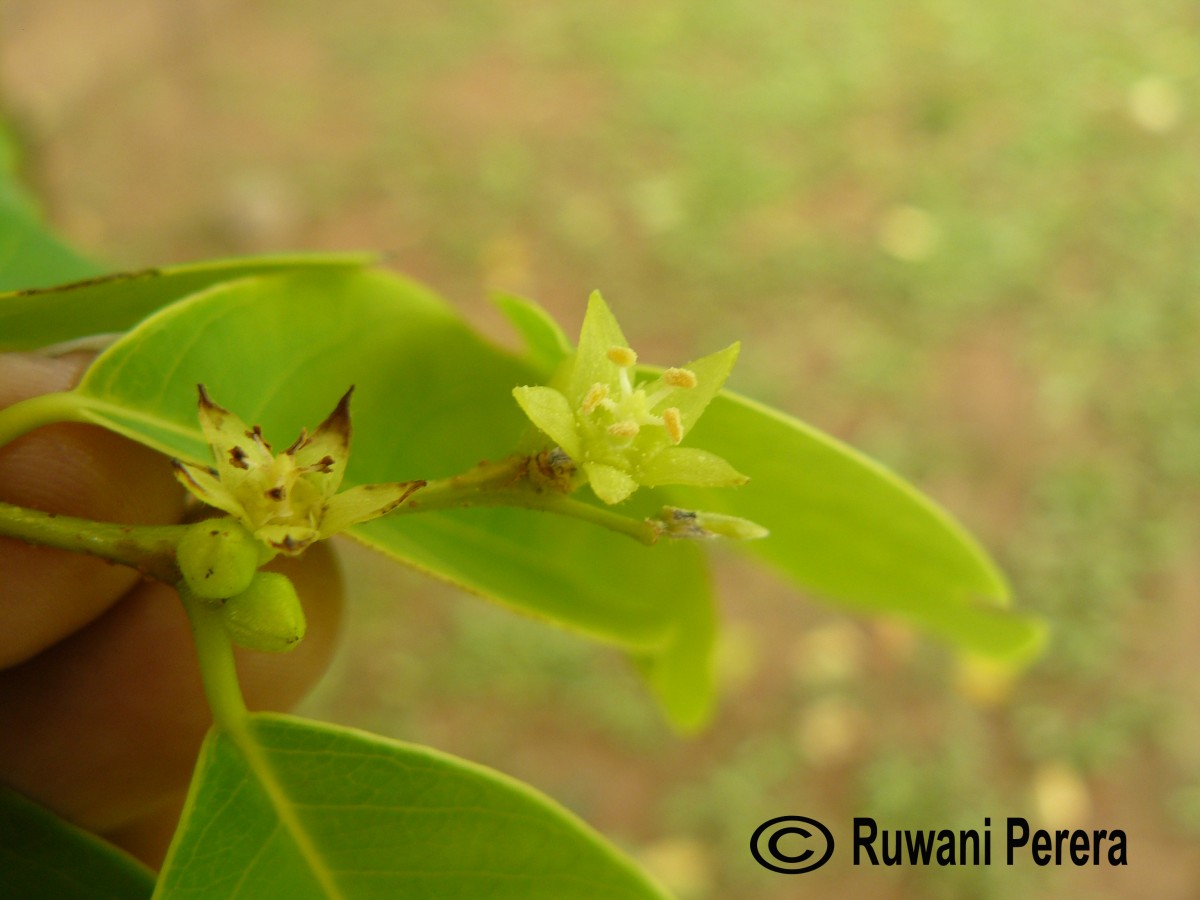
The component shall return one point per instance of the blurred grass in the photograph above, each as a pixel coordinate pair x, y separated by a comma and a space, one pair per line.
960, 236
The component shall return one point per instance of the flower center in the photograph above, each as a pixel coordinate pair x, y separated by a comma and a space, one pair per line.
632, 408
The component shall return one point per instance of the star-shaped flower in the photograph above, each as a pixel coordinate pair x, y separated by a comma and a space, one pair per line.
287, 500
623, 433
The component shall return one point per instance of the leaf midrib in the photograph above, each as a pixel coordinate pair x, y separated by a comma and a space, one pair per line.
258, 764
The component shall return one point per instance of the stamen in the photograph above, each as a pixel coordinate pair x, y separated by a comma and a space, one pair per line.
673, 422
622, 356
623, 377
298, 443
324, 465
595, 395
255, 434
680, 378
627, 429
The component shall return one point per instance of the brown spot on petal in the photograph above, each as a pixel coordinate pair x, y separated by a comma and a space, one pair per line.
413, 486
276, 493
238, 457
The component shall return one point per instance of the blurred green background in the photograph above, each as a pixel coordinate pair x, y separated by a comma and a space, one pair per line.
959, 236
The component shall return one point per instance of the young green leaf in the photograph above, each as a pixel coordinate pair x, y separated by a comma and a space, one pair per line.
545, 344
852, 532
300, 809
681, 675
107, 304
44, 858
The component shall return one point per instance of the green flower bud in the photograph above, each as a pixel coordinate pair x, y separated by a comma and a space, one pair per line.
267, 615
218, 558
687, 524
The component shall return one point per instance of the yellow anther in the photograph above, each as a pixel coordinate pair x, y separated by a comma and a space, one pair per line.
673, 422
680, 378
627, 429
593, 398
622, 356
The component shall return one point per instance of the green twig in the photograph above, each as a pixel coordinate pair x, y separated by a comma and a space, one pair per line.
214, 650
148, 548
507, 483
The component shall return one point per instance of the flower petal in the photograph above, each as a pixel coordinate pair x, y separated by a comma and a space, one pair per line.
363, 503
551, 412
327, 449
203, 484
290, 540
599, 334
609, 483
688, 465
234, 445
711, 372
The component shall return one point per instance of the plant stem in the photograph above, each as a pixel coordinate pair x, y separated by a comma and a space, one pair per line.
148, 548
506, 483
217, 670
45, 409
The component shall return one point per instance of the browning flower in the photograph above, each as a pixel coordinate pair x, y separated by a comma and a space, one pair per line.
290, 499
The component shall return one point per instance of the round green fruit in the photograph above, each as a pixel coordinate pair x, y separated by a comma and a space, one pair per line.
267, 615
218, 558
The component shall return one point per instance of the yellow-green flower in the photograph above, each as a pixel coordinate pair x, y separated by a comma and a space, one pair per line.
286, 500
623, 433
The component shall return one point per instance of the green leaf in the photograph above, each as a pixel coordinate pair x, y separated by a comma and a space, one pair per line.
30, 254
846, 528
545, 344
41, 856
296, 809
117, 302
431, 400
681, 675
